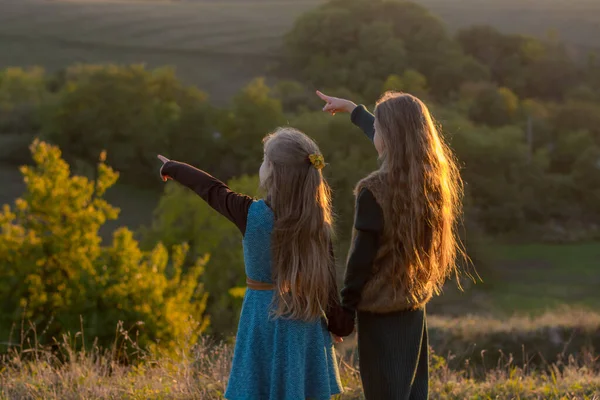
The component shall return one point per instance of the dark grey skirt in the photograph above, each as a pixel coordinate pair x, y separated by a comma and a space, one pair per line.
393, 351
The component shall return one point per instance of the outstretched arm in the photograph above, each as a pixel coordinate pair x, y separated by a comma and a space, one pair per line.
359, 114
231, 205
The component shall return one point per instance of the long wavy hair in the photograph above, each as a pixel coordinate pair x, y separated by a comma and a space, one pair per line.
303, 269
423, 197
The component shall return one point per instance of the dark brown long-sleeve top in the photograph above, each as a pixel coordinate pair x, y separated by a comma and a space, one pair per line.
234, 207
368, 222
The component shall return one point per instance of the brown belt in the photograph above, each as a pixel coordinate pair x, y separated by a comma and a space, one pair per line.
255, 285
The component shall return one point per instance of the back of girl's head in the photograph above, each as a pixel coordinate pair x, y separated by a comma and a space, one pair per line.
424, 192
301, 202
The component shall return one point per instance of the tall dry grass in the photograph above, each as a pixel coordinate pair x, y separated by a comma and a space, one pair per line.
68, 370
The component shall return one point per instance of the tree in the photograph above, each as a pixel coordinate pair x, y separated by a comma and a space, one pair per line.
54, 269
586, 177
411, 82
358, 44
132, 113
528, 66
22, 96
494, 106
253, 114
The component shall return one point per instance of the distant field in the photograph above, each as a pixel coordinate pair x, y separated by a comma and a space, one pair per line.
576, 22
529, 278
221, 45
538, 277
216, 46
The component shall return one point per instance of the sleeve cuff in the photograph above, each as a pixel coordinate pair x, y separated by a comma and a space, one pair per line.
356, 113
168, 168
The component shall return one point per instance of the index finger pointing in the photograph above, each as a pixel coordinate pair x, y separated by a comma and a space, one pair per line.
323, 96
163, 158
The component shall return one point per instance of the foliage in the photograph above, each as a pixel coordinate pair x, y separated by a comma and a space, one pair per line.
411, 82
54, 269
358, 44
133, 114
181, 216
22, 91
521, 63
254, 113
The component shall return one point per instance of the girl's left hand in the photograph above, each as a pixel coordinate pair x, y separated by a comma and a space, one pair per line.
337, 339
164, 161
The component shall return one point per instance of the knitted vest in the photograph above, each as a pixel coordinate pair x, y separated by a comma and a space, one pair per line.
383, 292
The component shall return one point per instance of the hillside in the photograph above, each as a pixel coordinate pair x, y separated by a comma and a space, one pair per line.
219, 46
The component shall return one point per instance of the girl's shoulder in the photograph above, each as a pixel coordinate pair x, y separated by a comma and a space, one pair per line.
259, 213
374, 182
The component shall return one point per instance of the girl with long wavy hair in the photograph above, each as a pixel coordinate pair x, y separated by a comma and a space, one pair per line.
283, 348
404, 242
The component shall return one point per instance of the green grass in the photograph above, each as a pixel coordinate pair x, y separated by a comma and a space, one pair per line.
221, 45
539, 277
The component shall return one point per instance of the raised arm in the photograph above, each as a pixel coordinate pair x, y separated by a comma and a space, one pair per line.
368, 223
231, 205
359, 114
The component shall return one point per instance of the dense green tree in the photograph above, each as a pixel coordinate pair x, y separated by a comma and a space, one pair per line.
528, 66
55, 271
132, 113
576, 116
410, 81
494, 106
22, 95
254, 113
358, 44
22, 91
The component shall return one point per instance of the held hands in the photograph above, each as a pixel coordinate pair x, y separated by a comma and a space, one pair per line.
164, 161
335, 104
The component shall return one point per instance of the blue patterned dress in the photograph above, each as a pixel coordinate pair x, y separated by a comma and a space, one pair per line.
275, 358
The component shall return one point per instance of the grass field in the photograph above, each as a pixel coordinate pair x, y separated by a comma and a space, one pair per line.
538, 277
220, 45
575, 22
217, 46
201, 372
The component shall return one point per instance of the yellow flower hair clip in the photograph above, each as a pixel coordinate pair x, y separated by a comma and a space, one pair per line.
317, 161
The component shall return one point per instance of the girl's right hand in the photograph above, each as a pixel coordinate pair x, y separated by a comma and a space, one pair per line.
335, 104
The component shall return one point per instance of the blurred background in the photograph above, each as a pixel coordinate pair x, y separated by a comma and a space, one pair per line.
92, 90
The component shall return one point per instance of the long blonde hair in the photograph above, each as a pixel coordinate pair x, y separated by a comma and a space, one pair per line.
303, 269
424, 195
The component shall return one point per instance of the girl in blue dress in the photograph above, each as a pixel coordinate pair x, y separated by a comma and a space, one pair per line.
283, 347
